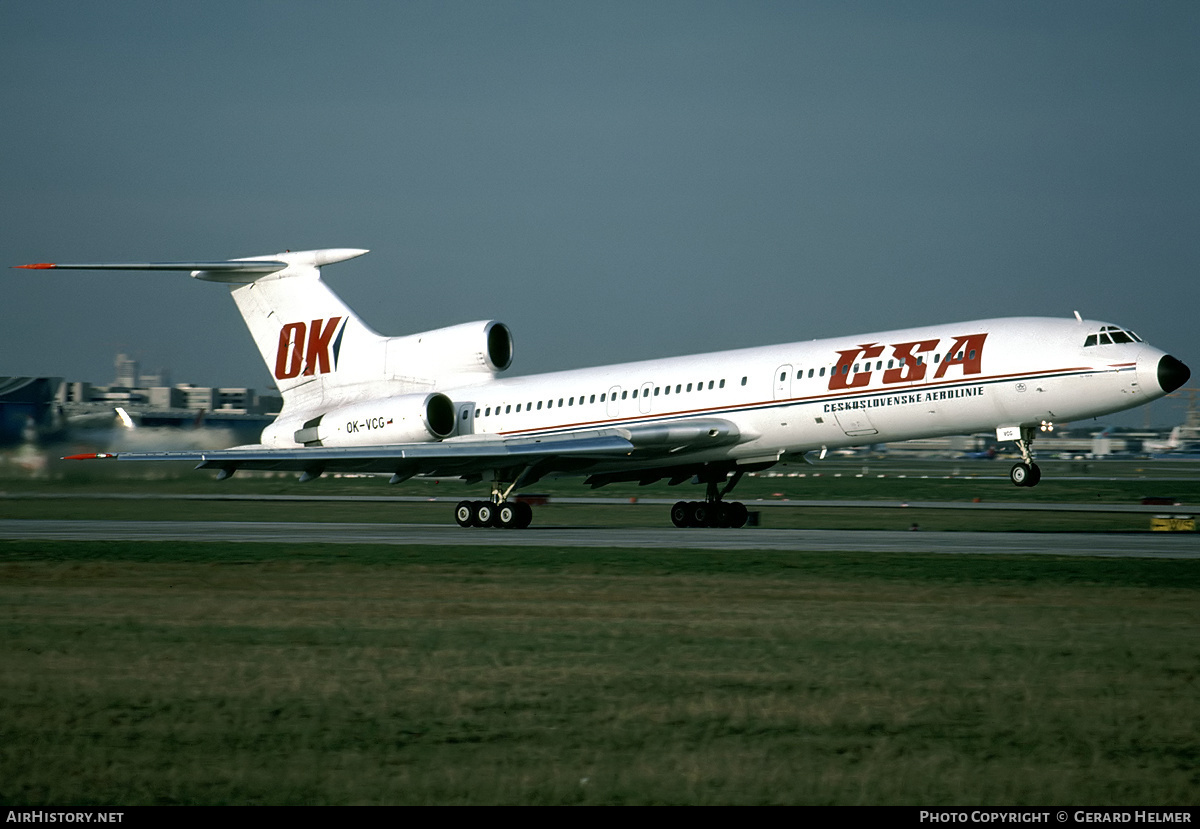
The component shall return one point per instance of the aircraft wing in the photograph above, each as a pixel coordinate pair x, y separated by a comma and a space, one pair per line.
465, 457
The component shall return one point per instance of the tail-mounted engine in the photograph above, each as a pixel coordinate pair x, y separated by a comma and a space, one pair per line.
409, 418
446, 354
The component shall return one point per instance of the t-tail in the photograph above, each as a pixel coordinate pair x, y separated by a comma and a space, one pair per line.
322, 355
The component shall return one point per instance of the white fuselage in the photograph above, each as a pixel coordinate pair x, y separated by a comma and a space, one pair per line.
846, 391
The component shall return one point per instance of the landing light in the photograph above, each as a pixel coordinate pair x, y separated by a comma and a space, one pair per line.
1047, 426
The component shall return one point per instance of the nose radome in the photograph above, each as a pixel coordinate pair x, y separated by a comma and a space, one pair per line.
1172, 373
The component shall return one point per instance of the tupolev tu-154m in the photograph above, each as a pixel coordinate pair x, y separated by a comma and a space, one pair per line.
439, 403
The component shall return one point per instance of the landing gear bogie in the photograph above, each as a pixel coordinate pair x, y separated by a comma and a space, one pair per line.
509, 515
709, 514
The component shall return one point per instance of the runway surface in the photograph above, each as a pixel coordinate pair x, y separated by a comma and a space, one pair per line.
1136, 545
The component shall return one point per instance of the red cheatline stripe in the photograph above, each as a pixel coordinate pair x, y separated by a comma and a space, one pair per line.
37, 266
90, 456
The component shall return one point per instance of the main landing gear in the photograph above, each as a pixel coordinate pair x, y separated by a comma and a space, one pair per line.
1026, 473
509, 515
499, 511
712, 511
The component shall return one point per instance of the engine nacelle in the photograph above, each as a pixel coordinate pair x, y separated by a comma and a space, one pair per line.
473, 348
409, 418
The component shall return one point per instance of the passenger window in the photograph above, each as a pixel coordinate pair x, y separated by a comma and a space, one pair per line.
656, 391
507, 409
822, 371
972, 355
689, 387
678, 386
488, 413
560, 402
722, 385
710, 384
603, 396
666, 389
743, 383
879, 365
635, 391
539, 405
624, 395
477, 412
593, 399
810, 374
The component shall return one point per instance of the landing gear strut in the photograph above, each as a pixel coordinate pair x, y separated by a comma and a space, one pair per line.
1026, 473
712, 511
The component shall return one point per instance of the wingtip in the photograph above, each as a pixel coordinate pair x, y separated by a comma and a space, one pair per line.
38, 266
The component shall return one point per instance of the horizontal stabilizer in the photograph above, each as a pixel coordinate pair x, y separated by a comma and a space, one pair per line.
232, 270
238, 267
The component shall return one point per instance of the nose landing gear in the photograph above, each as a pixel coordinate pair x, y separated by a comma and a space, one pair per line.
1026, 473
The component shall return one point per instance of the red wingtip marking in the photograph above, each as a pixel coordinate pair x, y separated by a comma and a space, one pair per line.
90, 456
37, 266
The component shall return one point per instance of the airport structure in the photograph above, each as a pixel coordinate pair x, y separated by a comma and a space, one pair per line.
35, 409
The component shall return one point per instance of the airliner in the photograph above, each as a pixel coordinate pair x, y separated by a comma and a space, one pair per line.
440, 404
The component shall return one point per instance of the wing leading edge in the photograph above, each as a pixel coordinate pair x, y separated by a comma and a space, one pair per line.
656, 444
465, 458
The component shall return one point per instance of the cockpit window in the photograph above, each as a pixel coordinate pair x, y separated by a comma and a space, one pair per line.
1109, 335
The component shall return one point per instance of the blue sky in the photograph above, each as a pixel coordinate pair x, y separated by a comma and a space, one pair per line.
612, 180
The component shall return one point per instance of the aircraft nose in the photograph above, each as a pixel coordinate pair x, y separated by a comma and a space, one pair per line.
1172, 373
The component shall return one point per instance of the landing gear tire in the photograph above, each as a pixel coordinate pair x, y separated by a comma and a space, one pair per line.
464, 514
739, 515
514, 515
1025, 474
1035, 474
507, 515
485, 514
703, 514
681, 514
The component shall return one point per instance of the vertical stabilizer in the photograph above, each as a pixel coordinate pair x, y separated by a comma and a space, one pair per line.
311, 341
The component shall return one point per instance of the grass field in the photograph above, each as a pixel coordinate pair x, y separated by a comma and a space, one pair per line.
215, 673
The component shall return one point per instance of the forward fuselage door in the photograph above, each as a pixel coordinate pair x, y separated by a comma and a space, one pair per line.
783, 382
644, 398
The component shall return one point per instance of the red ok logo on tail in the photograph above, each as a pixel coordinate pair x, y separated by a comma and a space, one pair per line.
304, 349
